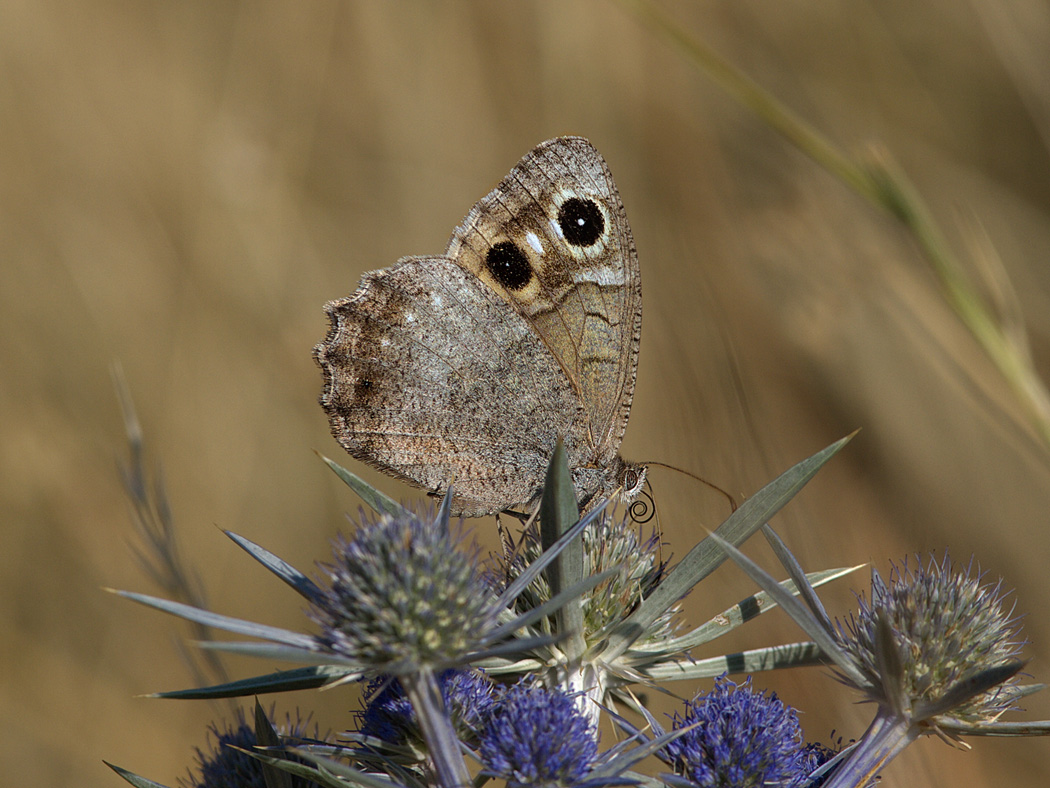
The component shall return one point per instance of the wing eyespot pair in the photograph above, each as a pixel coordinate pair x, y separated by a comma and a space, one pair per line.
582, 224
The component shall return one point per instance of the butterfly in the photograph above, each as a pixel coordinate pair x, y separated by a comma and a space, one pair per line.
468, 367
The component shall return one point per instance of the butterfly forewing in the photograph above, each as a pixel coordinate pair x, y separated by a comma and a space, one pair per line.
581, 289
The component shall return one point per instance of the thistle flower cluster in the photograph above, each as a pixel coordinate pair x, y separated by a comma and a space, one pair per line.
389, 716
947, 626
609, 545
402, 593
534, 736
736, 736
228, 763
469, 679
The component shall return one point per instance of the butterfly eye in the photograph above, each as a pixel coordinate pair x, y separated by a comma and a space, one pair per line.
508, 265
581, 221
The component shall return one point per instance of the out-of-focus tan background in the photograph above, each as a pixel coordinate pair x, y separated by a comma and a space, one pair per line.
182, 186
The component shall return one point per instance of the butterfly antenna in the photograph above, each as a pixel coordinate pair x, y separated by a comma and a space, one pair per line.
733, 505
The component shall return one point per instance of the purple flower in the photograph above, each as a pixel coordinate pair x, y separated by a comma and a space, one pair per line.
534, 736
226, 767
388, 714
741, 738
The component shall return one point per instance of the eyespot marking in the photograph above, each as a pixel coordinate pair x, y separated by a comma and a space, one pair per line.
508, 265
581, 221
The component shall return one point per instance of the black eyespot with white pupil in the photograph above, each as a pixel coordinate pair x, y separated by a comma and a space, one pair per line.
508, 265
581, 221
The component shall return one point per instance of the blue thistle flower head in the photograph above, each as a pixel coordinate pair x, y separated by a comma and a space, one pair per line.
537, 737
403, 595
226, 767
388, 715
741, 738
814, 755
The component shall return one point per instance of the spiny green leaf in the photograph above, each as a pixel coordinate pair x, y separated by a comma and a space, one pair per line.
707, 556
788, 655
134, 779
379, 502
558, 511
282, 681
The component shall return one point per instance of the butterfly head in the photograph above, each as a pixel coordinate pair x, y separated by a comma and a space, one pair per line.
630, 478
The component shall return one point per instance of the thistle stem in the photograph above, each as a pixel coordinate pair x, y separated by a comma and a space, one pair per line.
883, 741
424, 692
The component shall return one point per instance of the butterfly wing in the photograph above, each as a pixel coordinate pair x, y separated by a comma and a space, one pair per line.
467, 368
553, 241
431, 379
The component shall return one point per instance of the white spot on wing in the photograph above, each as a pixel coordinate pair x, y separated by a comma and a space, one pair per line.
534, 241
604, 275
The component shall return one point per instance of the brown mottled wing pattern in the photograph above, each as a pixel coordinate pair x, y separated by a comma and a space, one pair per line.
431, 379
584, 300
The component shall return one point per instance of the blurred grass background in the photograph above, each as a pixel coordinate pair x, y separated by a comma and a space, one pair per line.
183, 185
